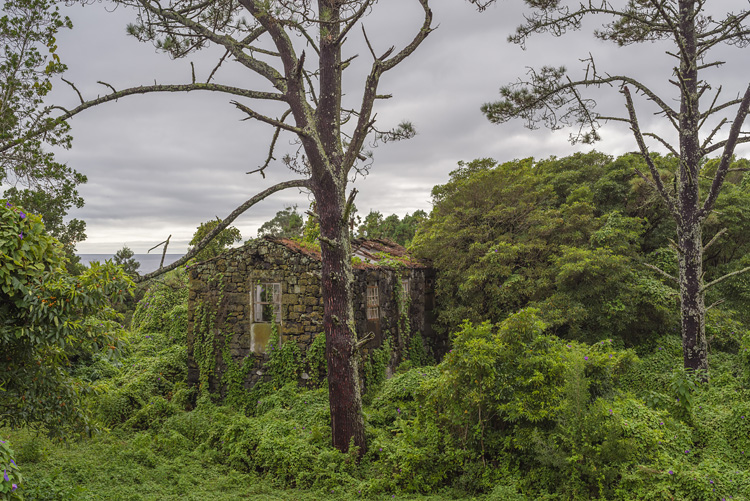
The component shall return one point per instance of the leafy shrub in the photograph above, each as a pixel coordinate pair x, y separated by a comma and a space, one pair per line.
315, 357
514, 395
723, 332
49, 319
12, 478
164, 306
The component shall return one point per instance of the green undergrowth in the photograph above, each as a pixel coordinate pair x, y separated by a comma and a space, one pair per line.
512, 413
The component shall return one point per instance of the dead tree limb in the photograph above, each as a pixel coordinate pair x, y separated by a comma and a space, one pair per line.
296, 183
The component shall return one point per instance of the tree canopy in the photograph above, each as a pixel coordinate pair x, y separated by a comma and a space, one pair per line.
393, 228
48, 316
551, 96
572, 237
286, 223
223, 241
28, 64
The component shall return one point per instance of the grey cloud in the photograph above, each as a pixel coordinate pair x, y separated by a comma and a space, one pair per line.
162, 164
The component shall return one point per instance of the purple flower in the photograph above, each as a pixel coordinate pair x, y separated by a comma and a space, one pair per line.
20, 235
585, 358
14, 487
23, 216
5, 475
671, 472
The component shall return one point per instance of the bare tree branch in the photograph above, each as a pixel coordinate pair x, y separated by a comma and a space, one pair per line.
297, 183
80, 97
279, 124
364, 121
656, 178
53, 122
726, 156
662, 272
271, 148
714, 239
721, 279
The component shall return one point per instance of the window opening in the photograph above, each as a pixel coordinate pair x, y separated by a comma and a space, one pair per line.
405, 287
267, 303
372, 302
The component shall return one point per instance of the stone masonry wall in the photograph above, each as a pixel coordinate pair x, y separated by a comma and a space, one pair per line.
220, 307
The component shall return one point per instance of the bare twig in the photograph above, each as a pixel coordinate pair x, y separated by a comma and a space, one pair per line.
714, 239
662, 272
74, 88
721, 279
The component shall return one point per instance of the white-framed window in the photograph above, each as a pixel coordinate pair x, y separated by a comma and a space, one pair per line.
404, 299
405, 287
267, 303
373, 302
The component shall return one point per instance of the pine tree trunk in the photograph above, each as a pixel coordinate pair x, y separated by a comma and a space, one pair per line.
689, 225
347, 423
693, 308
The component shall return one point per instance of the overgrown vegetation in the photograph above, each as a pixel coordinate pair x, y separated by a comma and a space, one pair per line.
573, 390
574, 237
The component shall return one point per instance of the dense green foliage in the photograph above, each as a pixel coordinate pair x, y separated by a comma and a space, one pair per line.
513, 412
570, 236
401, 231
286, 223
47, 318
124, 258
223, 241
28, 63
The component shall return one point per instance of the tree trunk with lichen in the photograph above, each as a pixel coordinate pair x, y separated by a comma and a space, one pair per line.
692, 305
342, 356
689, 221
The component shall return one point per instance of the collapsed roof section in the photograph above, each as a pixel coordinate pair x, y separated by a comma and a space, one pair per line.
378, 252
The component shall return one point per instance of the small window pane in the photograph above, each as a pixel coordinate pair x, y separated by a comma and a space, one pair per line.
373, 302
267, 303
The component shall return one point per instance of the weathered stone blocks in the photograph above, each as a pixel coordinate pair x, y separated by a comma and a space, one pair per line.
223, 288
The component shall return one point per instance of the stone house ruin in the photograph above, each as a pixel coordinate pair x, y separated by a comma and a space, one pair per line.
237, 296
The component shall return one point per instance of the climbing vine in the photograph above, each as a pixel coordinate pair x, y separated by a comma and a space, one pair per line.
284, 360
316, 361
373, 372
204, 340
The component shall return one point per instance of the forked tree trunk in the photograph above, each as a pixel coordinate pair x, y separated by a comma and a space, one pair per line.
342, 357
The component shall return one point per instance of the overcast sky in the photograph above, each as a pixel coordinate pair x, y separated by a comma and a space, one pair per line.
161, 164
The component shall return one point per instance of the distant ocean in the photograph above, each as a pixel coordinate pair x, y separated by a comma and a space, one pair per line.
149, 262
